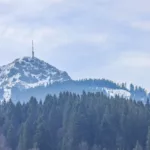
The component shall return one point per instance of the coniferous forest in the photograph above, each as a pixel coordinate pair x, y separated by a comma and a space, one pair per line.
75, 122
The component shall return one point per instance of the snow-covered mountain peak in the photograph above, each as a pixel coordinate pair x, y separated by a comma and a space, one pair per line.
27, 76
27, 73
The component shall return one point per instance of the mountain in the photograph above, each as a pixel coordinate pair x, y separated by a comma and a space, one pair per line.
28, 77
28, 73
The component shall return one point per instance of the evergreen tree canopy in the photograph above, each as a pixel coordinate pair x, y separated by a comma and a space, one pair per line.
75, 122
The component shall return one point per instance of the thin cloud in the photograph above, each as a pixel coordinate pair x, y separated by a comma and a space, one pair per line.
142, 25
135, 60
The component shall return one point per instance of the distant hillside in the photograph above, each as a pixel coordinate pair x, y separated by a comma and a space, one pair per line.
28, 77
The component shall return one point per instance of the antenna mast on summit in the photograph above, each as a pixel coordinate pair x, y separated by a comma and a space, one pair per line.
32, 49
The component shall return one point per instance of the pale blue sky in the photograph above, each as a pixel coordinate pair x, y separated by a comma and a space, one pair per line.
87, 38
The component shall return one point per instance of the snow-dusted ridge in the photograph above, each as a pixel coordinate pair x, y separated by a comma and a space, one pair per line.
28, 73
118, 92
26, 77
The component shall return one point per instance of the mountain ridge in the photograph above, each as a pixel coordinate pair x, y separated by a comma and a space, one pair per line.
26, 77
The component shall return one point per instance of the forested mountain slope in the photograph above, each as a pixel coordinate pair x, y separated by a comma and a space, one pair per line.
72, 122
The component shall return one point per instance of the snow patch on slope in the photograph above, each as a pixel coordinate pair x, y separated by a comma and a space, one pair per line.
7, 94
112, 92
118, 92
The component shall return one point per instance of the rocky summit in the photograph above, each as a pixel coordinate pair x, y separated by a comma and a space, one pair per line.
26, 73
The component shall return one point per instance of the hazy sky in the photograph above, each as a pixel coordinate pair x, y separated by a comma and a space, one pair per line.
87, 38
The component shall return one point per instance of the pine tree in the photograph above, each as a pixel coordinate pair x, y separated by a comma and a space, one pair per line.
83, 146
138, 146
95, 147
148, 139
3, 143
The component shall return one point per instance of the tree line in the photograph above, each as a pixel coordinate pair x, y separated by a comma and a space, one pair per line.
90, 121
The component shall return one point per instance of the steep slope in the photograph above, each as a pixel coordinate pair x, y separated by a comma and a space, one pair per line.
28, 73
